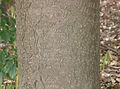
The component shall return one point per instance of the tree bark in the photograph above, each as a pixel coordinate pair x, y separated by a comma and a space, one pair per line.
58, 44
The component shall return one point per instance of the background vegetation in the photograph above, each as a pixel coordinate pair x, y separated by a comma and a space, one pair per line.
8, 51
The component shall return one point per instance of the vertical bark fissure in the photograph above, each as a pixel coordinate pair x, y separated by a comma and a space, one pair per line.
41, 79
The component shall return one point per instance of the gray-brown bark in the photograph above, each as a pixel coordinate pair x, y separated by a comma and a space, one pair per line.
58, 44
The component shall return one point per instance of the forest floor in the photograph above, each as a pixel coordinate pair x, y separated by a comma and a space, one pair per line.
110, 44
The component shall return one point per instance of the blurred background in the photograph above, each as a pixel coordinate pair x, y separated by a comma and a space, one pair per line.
8, 51
109, 44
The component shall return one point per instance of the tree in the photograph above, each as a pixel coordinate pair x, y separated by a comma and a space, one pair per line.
58, 44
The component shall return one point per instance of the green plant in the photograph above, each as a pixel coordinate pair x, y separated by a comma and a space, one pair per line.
8, 54
106, 59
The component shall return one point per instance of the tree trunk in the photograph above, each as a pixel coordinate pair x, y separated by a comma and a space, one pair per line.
58, 44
